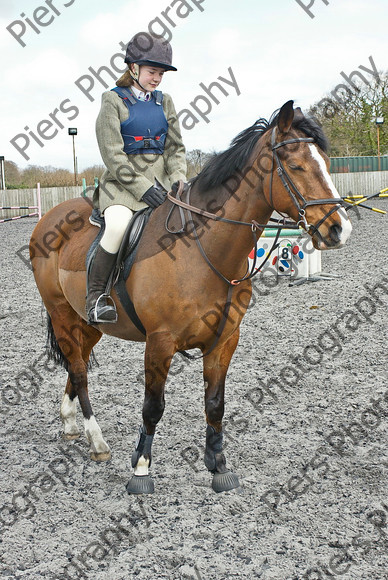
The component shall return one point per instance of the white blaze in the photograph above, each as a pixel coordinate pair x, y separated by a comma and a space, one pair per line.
345, 221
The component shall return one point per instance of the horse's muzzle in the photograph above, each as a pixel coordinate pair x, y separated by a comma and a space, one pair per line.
335, 237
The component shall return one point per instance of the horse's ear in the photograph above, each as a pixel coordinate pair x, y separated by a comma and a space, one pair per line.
286, 116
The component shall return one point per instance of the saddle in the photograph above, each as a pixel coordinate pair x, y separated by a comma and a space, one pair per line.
125, 258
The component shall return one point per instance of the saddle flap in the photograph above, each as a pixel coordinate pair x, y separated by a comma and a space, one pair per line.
128, 245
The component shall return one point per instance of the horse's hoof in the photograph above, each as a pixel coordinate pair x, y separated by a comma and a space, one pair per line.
140, 484
71, 436
225, 481
100, 456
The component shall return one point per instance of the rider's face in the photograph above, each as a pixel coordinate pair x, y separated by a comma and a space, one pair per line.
150, 77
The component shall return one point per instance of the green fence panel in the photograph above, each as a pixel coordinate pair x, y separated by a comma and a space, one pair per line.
358, 164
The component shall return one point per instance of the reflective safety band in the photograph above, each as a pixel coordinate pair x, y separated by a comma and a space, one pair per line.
146, 138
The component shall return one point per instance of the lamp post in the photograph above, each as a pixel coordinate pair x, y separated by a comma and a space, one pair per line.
379, 122
73, 131
2, 173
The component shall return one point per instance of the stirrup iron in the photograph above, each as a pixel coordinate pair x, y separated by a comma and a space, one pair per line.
93, 318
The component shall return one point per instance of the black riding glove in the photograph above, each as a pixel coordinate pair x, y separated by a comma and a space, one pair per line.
154, 197
175, 186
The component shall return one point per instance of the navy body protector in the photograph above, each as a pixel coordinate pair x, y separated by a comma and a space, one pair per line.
145, 130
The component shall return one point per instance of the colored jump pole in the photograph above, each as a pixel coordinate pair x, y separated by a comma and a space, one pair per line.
269, 233
37, 207
360, 199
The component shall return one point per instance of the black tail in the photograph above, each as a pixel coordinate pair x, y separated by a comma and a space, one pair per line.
54, 352
53, 349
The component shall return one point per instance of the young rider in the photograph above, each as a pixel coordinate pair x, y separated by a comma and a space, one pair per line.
139, 139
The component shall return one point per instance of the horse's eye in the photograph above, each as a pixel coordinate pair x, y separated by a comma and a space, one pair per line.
296, 167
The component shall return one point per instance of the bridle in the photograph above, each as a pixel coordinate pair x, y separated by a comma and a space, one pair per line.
297, 198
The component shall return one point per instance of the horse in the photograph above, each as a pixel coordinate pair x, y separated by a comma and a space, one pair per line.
177, 279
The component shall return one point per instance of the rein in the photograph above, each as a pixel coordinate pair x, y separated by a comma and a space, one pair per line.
253, 225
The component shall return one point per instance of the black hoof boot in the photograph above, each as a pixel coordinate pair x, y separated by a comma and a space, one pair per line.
140, 484
225, 481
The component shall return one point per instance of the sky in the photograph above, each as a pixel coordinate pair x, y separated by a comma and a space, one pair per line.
266, 53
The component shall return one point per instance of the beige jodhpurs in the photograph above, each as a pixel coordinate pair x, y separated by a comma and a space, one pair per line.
117, 218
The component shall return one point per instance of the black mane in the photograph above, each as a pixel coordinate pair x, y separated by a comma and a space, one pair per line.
224, 165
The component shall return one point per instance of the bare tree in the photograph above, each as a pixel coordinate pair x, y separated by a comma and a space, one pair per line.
348, 118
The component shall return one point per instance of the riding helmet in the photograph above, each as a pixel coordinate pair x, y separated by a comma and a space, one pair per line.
144, 48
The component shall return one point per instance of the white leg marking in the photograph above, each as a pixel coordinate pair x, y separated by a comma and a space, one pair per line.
68, 415
345, 221
94, 436
142, 466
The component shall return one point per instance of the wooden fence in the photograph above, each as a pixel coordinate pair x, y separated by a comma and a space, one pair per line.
356, 183
50, 197
365, 183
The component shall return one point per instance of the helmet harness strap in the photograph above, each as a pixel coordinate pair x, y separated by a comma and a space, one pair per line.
135, 75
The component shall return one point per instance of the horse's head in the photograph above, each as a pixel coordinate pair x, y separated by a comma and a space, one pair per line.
298, 181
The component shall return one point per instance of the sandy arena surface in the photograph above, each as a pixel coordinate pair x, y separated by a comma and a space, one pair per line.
310, 450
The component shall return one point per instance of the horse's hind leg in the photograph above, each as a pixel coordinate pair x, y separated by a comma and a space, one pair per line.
215, 367
75, 339
69, 412
160, 349
90, 337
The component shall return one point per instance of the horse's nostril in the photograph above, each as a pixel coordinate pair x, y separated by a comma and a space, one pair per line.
335, 233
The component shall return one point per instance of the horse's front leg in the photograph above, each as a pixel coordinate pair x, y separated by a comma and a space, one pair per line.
160, 349
215, 368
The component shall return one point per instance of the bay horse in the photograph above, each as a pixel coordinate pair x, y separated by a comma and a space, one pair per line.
176, 281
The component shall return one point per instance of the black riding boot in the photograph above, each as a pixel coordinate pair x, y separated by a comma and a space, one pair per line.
100, 307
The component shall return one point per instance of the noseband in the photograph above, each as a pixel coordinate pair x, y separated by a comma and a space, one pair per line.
297, 198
